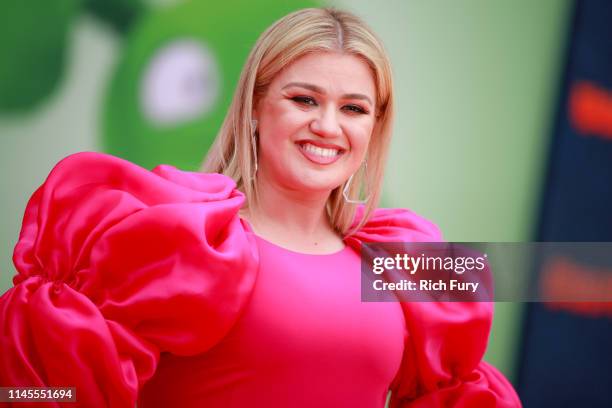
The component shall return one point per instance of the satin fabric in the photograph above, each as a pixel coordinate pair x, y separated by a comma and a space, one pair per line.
304, 340
117, 264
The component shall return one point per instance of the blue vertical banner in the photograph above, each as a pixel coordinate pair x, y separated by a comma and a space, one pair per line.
566, 356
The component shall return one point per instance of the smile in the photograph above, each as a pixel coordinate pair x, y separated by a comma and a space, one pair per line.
320, 155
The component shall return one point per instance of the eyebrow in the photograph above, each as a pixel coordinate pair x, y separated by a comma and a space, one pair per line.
320, 90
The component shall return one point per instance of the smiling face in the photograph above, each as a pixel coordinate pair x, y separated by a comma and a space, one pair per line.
315, 122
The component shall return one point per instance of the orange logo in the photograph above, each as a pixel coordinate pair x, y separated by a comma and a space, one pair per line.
591, 109
568, 285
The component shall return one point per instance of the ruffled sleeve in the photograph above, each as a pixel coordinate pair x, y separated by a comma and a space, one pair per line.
445, 341
116, 264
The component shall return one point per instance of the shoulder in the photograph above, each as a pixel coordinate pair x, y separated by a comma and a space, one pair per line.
395, 225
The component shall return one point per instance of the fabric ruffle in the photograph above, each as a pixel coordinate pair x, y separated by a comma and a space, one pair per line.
116, 264
445, 341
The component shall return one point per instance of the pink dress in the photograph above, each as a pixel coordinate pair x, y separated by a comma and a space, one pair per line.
146, 286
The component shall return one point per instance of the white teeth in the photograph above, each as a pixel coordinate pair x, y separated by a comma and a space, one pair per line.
319, 151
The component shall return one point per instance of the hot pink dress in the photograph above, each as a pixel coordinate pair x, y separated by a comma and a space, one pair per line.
138, 286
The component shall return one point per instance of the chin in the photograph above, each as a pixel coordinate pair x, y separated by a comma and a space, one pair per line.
317, 183
305, 177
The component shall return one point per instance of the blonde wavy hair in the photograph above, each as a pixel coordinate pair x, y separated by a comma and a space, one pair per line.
301, 32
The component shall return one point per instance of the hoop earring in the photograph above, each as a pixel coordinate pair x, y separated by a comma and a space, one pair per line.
347, 186
254, 146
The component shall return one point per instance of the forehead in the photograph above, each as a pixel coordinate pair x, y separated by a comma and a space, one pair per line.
334, 72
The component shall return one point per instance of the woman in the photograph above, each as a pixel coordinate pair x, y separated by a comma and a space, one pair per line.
173, 288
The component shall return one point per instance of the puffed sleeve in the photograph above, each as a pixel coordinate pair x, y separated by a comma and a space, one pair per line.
115, 264
445, 341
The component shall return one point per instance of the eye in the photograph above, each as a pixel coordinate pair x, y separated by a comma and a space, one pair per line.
355, 108
304, 100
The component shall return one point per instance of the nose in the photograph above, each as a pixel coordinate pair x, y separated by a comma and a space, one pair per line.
326, 124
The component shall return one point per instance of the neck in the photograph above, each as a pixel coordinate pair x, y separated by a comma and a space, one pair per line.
284, 212
293, 219
295, 213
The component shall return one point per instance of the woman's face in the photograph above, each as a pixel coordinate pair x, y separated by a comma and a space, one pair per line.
315, 122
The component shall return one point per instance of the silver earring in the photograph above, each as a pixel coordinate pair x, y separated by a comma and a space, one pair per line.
347, 186
254, 144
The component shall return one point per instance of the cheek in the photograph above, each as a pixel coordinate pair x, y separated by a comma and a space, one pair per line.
359, 138
281, 125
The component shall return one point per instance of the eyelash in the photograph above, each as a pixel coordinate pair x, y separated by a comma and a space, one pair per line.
307, 100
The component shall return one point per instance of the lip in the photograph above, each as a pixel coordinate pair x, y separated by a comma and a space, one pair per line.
315, 158
321, 144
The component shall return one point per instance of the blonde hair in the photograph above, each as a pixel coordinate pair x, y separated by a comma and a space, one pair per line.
299, 33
